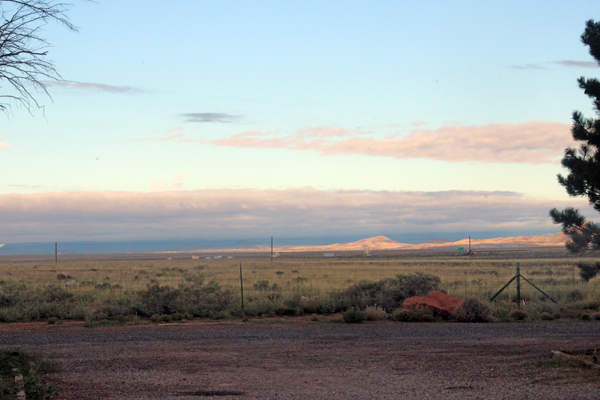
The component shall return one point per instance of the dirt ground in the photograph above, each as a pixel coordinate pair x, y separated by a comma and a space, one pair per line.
300, 359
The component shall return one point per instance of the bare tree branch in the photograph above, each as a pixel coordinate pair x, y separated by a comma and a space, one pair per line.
23, 63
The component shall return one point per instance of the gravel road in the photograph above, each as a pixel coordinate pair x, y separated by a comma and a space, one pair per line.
308, 360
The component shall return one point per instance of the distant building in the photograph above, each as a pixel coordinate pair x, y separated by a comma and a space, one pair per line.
218, 257
195, 257
208, 258
229, 257
329, 255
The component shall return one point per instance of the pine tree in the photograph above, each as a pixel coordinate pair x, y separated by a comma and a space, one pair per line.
583, 165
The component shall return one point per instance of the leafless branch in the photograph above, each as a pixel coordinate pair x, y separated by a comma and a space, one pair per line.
23, 62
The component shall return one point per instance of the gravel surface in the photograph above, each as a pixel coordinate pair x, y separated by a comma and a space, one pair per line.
308, 360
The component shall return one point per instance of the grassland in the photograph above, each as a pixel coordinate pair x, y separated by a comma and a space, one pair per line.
83, 289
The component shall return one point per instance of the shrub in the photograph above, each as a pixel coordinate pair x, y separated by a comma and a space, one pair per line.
165, 319
55, 294
375, 313
586, 317
389, 293
314, 318
575, 295
472, 310
556, 315
519, 315
155, 318
158, 299
177, 317
546, 316
11, 294
413, 315
291, 311
52, 321
353, 316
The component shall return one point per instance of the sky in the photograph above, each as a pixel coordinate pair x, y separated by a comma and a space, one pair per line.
234, 120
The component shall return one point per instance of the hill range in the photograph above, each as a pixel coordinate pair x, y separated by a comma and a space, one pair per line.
384, 243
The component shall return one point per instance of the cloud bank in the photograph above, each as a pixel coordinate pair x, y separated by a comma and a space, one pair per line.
4, 145
533, 142
245, 213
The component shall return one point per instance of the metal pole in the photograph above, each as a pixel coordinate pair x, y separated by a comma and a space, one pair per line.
242, 285
503, 287
55, 253
541, 291
470, 252
518, 285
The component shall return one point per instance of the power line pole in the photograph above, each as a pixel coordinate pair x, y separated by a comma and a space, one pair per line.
271, 248
55, 253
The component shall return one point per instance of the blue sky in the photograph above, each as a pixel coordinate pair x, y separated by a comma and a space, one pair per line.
174, 114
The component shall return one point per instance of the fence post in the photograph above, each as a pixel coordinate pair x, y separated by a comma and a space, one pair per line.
519, 285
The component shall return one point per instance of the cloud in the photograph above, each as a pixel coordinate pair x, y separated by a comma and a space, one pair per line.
579, 64
564, 63
529, 66
239, 213
97, 87
533, 142
5, 146
418, 123
211, 117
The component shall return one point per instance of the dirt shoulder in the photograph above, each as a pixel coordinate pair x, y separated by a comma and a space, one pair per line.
309, 360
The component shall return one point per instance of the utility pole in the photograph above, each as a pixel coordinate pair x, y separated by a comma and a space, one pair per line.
55, 253
271, 248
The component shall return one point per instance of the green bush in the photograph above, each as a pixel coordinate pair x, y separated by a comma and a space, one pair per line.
375, 314
586, 317
52, 321
556, 315
518, 315
353, 316
165, 319
413, 315
283, 311
177, 317
546, 316
502, 313
472, 310
389, 293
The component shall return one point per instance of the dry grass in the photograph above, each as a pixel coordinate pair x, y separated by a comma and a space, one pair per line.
314, 277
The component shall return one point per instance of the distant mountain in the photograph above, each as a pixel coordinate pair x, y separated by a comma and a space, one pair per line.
438, 241
384, 243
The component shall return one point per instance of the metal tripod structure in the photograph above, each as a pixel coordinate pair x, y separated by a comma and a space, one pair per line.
518, 277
